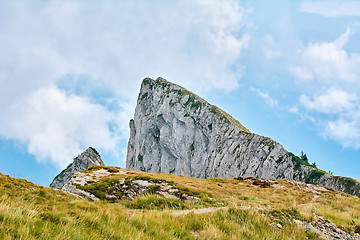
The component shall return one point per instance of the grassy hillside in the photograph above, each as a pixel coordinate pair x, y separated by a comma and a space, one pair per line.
227, 209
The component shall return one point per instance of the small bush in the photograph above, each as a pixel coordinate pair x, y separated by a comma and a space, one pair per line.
357, 229
299, 161
144, 95
314, 176
50, 217
191, 100
311, 235
245, 198
285, 215
153, 189
196, 105
41, 193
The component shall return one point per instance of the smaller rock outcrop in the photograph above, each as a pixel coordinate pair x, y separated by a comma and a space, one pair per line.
82, 162
120, 184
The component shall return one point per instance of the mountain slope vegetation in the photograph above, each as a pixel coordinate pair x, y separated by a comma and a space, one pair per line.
225, 209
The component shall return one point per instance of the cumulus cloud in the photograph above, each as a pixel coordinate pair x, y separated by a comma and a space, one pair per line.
47, 46
328, 61
342, 123
335, 108
301, 72
329, 76
333, 8
57, 126
332, 102
346, 131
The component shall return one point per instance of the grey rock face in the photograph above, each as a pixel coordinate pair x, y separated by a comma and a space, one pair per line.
82, 162
176, 131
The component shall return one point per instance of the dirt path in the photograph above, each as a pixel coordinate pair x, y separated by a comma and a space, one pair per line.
214, 209
202, 210
313, 200
198, 211
183, 212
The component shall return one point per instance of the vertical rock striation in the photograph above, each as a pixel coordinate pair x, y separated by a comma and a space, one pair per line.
82, 162
176, 131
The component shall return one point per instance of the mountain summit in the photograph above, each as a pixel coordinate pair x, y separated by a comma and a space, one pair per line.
176, 131
82, 162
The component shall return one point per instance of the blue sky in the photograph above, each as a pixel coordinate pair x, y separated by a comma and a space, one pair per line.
70, 72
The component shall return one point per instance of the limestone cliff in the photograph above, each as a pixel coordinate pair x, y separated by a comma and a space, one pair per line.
176, 131
82, 162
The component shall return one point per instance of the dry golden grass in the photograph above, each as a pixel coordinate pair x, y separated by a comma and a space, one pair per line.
28, 211
343, 209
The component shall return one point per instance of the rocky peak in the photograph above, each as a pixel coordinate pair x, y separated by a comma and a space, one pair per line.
176, 131
82, 162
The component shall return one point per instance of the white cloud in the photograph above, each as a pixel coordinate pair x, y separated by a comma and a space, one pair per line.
345, 131
332, 102
330, 74
332, 8
195, 43
301, 72
115, 44
328, 61
271, 102
59, 126
293, 109
342, 111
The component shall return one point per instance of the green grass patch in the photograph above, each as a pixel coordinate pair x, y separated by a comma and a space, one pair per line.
205, 202
152, 202
224, 115
192, 192
102, 188
98, 167
218, 180
291, 213
147, 178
